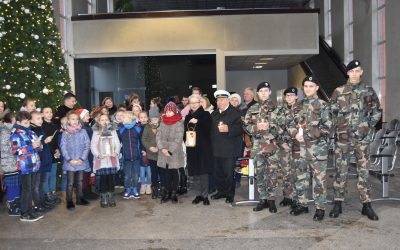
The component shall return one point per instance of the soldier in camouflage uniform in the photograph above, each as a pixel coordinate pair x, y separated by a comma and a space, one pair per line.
285, 114
357, 110
260, 123
313, 119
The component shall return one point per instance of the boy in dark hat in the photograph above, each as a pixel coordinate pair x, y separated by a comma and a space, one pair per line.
261, 124
357, 109
288, 148
311, 129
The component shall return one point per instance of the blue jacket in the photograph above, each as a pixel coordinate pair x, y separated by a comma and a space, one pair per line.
28, 159
131, 144
75, 147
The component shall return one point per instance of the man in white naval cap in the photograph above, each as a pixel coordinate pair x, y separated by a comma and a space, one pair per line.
226, 140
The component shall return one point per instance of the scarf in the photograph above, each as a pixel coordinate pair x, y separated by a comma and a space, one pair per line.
130, 125
171, 120
73, 129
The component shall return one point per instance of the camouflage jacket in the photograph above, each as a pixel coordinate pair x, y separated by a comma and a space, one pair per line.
357, 110
285, 119
263, 141
315, 117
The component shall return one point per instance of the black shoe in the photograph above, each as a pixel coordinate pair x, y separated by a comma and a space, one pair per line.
70, 205
30, 217
319, 215
82, 202
272, 206
206, 202
229, 199
218, 196
174, 198
166, 196
262, 204
369, 212
286, 202
299, 209
48, 207
197, 199
336, 210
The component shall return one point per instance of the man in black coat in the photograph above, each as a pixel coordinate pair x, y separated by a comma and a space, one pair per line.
226, 141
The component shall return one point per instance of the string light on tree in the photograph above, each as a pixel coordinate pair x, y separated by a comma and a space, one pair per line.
32, 63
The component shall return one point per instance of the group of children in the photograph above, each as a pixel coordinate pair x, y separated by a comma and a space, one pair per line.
32, 143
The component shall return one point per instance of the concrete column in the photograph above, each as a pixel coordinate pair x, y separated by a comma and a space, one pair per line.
221, 71
392, 60
338, 27
110, 6
92, 6
363, 49
69, 43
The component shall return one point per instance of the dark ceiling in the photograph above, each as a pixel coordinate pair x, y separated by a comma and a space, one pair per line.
157, 5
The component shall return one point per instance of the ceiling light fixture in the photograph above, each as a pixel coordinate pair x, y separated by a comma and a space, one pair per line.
257, 67
261, 63
266, 59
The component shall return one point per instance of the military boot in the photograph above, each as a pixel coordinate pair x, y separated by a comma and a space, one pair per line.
262, 204
299, 209
336, 210
272, 206
319, 215
103, 200
286, 202
369, 212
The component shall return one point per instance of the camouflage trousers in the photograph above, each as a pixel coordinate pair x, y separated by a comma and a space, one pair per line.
311, 163
343, 152
266, 169
286, 169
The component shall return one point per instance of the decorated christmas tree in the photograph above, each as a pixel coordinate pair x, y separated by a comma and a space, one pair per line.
31, 59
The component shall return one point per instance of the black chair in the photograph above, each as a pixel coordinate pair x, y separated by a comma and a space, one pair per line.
388, 159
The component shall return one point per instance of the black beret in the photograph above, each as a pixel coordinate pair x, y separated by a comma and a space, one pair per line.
310, 79
263, 85
291, 90
353, 64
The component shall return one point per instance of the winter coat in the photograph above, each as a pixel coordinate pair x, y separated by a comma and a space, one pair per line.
149, 140
46, 157
227, 144
170, 137
131, 145
199, 158
50, 129
75, 146
28, 159
108, 161
8, 163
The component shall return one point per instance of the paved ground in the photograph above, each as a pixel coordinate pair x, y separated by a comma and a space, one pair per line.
146, 224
